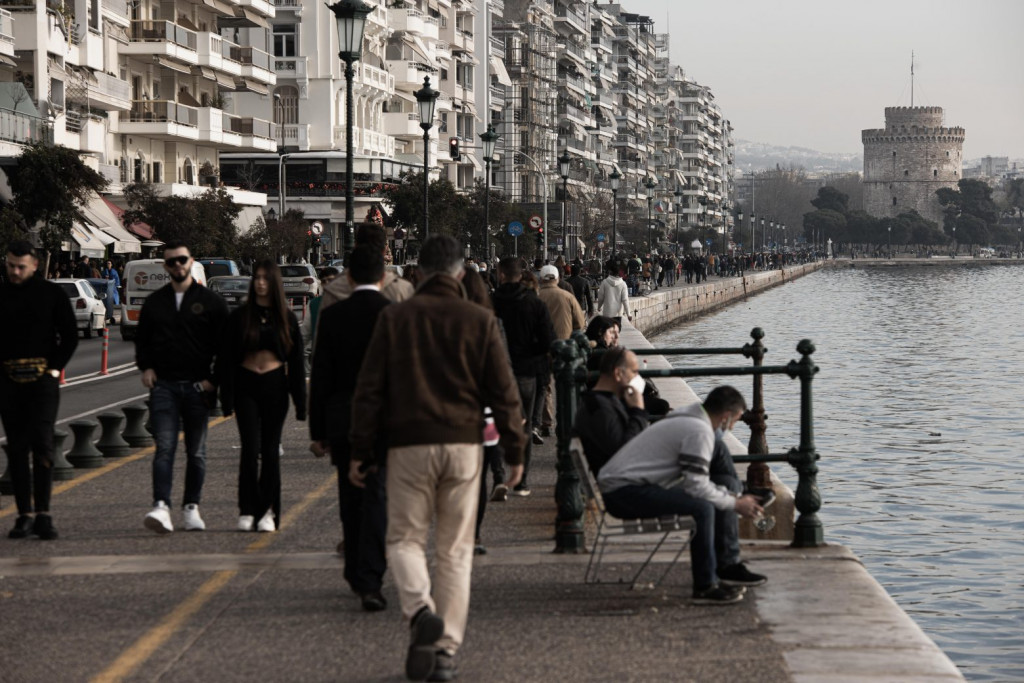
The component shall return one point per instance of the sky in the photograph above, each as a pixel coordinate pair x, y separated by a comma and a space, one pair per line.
814, 73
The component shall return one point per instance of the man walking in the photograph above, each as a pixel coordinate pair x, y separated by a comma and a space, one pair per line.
612, 297
566, 316
40, 336
581, 290
179, 331
433, 364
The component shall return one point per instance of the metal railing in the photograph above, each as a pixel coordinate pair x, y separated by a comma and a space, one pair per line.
569, 367
23, 128
163, 111
153, 31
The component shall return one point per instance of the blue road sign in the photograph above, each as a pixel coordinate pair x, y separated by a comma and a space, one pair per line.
515, 228
600, 237
709, 242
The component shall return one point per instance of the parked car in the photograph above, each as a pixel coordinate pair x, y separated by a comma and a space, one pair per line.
216, 266
107, 293
234, 289
90, 313
300, 283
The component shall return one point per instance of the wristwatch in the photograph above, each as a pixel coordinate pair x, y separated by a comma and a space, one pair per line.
53, 373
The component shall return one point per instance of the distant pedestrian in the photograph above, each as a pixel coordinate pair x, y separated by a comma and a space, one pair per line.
581, 290
613, 298
39, 339
566, 317
433, 364
179, 333
262, 364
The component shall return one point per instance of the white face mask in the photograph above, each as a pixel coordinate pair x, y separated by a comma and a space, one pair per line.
719, 433
638, 384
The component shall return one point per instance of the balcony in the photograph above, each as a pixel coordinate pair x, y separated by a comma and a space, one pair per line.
366, 142
162, 38
164, 119
573, 82
497, 48
6, 33
117, 12
576, 51
412, 73
497, 95
290, 67
431, 28
261, 6
215, 52
372, 78
257, 134
255, 63
402, 124
215, 128
443, 50
293, 135
102, 91
288, 6
406, 19
569, 16
602, 42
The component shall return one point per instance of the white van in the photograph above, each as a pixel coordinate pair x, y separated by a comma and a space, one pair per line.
140, 279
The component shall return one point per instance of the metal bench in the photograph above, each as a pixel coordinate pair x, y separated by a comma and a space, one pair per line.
609, 527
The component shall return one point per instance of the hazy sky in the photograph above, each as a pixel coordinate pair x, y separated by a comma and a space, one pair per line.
814, 73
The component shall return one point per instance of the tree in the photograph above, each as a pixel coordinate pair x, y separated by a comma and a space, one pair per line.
284, 237
206, 223
829, 198
447, 206
50, 185
826, 223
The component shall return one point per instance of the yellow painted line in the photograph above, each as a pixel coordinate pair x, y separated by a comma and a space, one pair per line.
89, 475
135, 656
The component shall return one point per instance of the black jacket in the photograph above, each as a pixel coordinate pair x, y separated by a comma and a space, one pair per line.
38, 322
581, 290
180, 345
604, 424
528, 328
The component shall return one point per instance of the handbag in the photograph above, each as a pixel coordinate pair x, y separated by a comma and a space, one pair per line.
24, 370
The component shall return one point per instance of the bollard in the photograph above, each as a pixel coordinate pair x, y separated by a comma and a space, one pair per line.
135, 431
569, 368
84, 454
106, 351
111, 445
62, 469
62, 380
6, 485
807, 533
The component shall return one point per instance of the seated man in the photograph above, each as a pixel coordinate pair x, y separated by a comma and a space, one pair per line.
612, 412
671, 468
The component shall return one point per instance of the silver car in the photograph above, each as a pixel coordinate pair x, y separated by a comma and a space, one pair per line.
300, 283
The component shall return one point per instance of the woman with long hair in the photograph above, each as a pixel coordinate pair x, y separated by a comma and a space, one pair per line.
263, 365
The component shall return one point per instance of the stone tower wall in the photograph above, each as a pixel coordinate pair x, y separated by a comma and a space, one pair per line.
908, 160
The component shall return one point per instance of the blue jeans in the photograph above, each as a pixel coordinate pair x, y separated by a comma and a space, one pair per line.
174, 406
716, 542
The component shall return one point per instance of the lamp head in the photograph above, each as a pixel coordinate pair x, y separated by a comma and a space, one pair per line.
489, 137
615, 177
350, 16
563, 164
426, 98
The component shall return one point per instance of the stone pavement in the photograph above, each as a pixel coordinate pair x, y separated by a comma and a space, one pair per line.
111, 601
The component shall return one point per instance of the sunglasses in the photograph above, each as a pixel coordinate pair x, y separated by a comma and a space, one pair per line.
176, 260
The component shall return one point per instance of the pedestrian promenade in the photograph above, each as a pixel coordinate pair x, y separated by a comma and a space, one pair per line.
111, 601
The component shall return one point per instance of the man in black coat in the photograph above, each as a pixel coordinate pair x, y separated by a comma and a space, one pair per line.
342, 337
613, 411
581, 290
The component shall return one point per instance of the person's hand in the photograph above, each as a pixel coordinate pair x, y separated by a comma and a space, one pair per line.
748, 506
149, 378
633, 398
319, 448
356, 476
513, 475
207, 386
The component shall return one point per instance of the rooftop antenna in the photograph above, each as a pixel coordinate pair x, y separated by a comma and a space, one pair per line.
911, 78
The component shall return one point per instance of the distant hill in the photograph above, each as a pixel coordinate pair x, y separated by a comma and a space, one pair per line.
758, 156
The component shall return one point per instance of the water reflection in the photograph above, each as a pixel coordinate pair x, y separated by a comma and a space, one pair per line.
919, 424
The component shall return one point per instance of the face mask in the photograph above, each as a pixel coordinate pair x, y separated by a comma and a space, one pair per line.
638, 383
719, 433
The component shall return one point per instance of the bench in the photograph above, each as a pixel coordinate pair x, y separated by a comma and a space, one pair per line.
609, 527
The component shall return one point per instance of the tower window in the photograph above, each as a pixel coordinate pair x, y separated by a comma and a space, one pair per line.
935, 173
906, 172
894, 201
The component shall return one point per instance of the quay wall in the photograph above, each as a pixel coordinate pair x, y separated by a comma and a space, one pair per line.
662, 309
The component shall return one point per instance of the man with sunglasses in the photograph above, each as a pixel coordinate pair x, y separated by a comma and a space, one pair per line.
180, 326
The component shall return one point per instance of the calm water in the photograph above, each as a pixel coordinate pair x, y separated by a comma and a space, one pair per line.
919, 420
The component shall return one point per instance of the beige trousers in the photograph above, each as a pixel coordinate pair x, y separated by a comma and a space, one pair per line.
439, 481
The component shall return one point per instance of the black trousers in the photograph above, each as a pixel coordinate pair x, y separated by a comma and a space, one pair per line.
261, 404
29, 412
364, 522
493, 461
527, 394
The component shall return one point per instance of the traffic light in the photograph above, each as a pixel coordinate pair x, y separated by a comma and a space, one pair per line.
540, 238
453, 149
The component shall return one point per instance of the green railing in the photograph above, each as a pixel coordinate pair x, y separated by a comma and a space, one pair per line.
570, 370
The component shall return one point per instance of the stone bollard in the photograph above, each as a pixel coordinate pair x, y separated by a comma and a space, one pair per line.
6, 486
135, 430
62, 469
111, 445
84, 454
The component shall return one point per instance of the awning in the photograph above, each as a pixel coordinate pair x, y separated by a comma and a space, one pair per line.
105, 239
88, 244
243, 17
4, 59
99, 215
246, 218
173, 66
204, 71
252, 86
420, 48
220, 6
498, 70
143, 230
224, 80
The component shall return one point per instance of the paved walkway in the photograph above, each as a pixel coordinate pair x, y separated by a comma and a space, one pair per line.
111, 601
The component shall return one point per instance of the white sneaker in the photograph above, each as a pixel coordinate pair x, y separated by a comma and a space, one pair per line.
193, 522
246, 522
266, 522
159, 519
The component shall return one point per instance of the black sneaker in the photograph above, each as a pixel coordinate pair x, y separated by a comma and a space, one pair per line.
373, 601
499, 494
43, 527
545, 431
22, 527
479, 549
738, 575
521, 490
537, 440
427, 628
717, 595
444, 667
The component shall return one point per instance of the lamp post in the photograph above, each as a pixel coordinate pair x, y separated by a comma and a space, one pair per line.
679, 205
889, 230
426, 98
703, 222
764, 242
615, 177
739, 221
954, 240
563, 171
753, 233
726, 208
488, 138
771, 231
350, 16
650, 183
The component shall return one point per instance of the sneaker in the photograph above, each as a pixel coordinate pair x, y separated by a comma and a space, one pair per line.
717, 595
22, 527
266, 522
479, 549
444, 667
738, 575
43, 527
373, 601
159, 519
246, 522
545, 431
521, 490
499, 494
193, 522
426, 629
537, 440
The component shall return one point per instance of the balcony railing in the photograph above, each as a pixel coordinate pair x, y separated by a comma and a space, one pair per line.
22, 128
6, 27
251, 127
288, 4
572, 16
144, 111
497, 48
250, 56
574, 49
158, 31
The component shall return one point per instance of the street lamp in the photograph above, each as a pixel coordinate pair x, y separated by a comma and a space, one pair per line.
739, 222
753, 232
563, 170
350, 16
889, 230
954, 240
703, 221
764, 241
650, 183
426, 98
615, 177
488, 138
726, 208
771, 231
679, 205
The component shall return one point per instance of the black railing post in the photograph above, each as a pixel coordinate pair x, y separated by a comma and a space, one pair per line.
807, 533
569, 362
758, 474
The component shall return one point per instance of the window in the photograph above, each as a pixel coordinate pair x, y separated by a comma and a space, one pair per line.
444, 74
284, 40
935, 173
906, 173
894, 201
158, 172
286, 105
138, 170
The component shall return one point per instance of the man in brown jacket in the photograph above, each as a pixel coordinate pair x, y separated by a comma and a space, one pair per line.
566, 316
433, 364
393, 287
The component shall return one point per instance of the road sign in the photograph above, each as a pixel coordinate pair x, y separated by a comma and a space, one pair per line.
515, 228
325, 240
317, 227
709, 242
536, 221
600, 237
